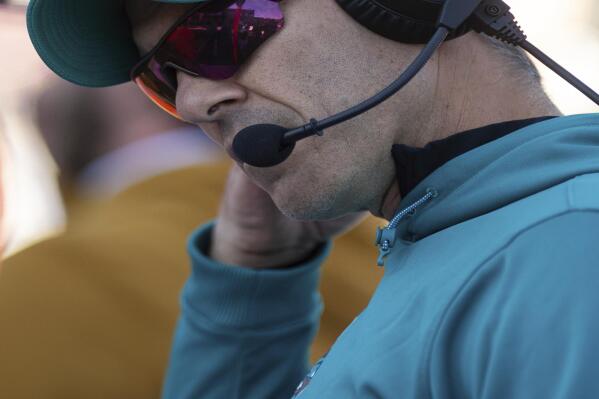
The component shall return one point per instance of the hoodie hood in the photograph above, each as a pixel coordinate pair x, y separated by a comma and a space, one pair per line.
503, 171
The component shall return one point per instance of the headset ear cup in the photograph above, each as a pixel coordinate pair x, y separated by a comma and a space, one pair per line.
391, 23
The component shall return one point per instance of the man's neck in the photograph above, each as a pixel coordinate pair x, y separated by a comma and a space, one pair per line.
477, 87
488, 106
462, 105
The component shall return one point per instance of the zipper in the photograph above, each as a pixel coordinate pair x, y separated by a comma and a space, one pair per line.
386, 237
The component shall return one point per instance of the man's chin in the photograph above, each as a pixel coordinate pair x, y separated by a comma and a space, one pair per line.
299, 206
295, 197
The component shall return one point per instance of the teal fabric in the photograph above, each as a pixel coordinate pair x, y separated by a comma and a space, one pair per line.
87, 42
490, 292
235, 319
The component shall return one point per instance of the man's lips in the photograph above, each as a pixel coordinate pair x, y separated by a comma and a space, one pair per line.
231, 153
228, 144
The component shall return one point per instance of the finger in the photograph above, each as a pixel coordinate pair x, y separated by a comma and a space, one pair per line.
244, 203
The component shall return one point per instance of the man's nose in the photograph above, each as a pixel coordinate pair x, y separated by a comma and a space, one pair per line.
204, 100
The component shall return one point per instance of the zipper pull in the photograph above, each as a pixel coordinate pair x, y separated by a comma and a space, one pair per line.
385, 239
383, 252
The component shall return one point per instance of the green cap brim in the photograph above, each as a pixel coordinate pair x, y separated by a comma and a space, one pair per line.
87, 42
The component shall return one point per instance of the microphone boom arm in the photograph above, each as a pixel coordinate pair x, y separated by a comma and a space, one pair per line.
412, 70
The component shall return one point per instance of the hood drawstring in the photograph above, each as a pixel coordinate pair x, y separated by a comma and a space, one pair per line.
385, 238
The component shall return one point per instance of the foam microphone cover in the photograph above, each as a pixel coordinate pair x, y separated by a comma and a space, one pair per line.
260, 145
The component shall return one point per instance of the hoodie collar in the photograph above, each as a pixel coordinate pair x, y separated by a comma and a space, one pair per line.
413, 164
502, 171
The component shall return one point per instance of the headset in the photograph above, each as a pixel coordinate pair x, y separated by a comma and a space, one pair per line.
428, 22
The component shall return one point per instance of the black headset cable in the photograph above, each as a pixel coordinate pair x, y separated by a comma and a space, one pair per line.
412, 70
493, 18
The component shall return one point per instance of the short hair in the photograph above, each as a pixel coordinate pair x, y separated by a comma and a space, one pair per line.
516, 58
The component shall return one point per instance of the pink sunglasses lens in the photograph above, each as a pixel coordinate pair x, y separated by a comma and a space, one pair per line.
212, 42
215, 43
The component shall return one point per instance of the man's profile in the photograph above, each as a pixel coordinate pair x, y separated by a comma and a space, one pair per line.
489, 256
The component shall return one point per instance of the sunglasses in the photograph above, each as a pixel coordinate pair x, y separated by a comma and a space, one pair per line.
211, 41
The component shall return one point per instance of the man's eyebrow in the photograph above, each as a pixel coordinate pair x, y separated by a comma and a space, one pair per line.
149, 20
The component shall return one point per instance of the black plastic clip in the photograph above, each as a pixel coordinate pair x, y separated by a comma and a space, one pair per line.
314, 127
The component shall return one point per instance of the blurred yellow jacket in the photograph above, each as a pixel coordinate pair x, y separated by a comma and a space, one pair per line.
90, 313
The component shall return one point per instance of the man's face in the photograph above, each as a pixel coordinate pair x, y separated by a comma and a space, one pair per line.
320, 63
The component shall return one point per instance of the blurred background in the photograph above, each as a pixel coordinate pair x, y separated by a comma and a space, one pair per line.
567, 30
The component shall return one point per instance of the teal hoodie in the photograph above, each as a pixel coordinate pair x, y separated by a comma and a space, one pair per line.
491, 290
